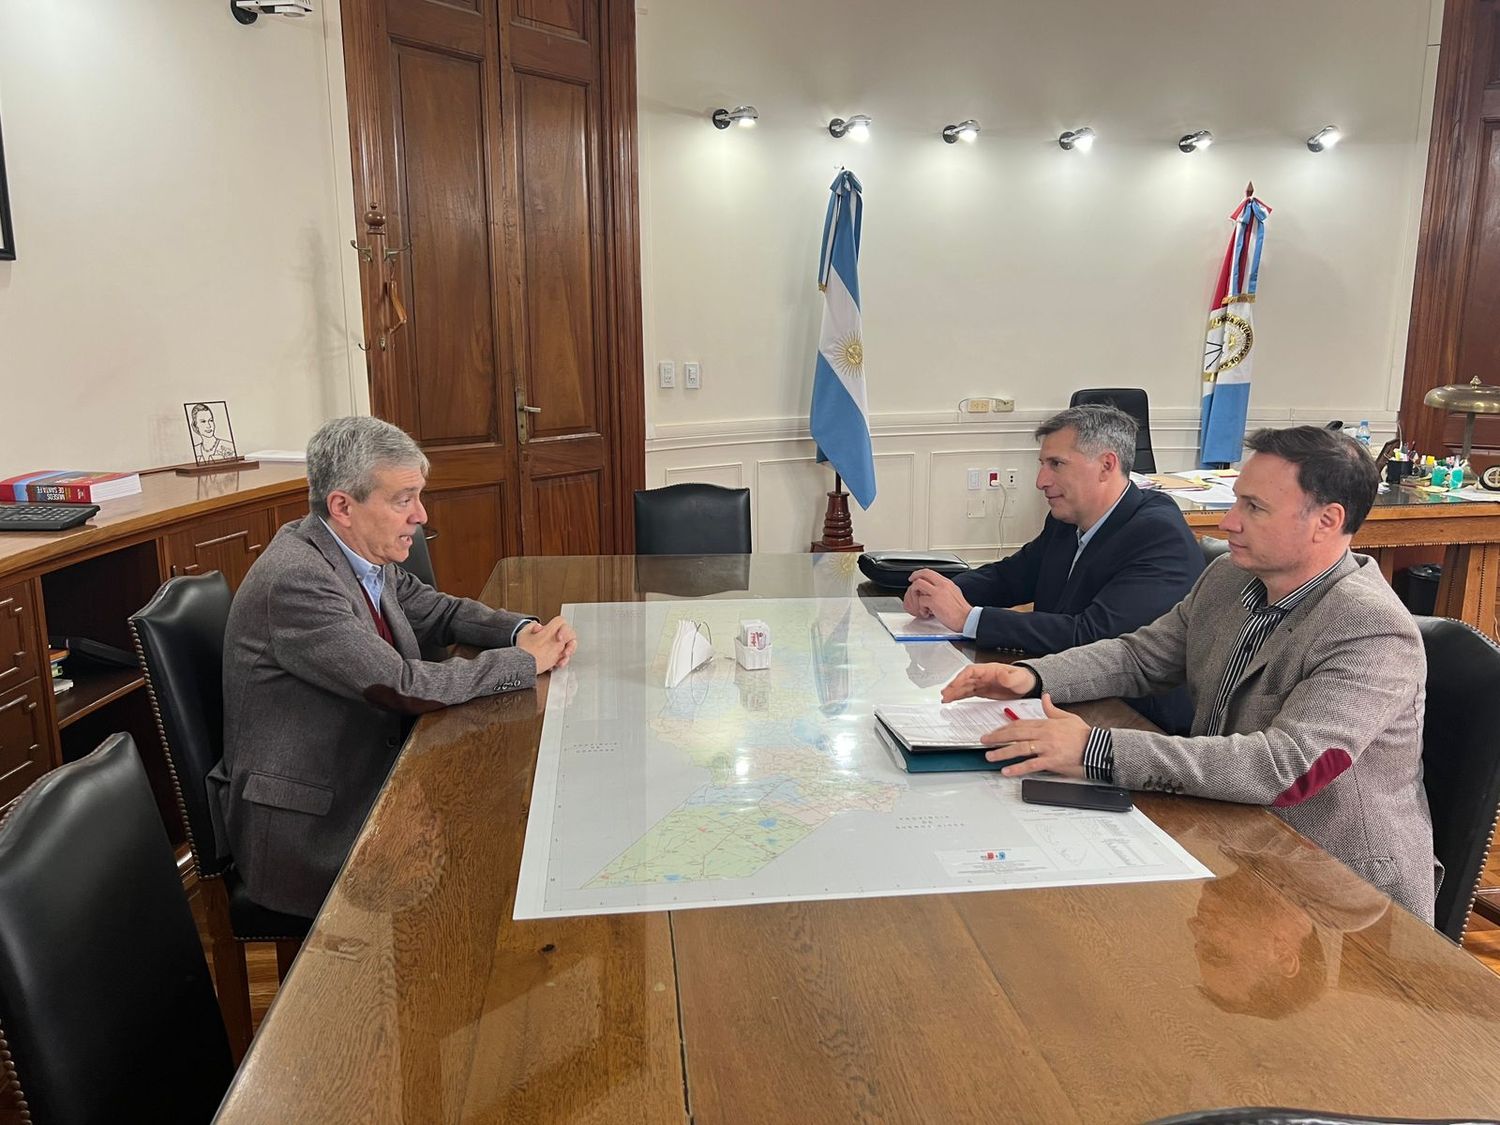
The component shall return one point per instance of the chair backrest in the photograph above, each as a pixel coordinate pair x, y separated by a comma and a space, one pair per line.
106, 1002
692, 519
1133, 401
419, 561
1212, 548
1460, 759
179, 640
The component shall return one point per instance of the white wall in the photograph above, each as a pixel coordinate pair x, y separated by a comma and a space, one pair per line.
178, 184
1010, 266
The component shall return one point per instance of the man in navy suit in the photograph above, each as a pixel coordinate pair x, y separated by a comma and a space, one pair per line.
1110, 557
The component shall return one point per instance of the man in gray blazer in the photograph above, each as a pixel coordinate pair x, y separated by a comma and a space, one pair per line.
1307, 673
323, 669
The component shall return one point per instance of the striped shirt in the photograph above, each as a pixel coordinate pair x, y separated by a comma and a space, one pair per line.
1260, 622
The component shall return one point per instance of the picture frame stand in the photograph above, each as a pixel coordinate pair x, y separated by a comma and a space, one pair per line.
228, 465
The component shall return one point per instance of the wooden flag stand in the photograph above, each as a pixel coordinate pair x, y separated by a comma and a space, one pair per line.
838, 528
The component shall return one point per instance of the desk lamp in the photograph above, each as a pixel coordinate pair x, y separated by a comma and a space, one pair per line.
1468, 399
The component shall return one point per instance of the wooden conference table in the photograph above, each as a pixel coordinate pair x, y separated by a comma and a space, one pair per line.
1469, 532
416, 998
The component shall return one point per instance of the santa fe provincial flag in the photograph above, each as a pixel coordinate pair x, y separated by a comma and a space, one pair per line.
840, 421
1230, 344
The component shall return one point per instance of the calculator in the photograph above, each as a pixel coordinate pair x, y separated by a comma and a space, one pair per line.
44, 517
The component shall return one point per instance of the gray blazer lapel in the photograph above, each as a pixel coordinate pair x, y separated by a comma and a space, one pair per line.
1222, 618
1287, 631
315, 532
390, 605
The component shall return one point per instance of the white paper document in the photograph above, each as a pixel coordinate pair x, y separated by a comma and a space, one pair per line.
905, 627
958, 725
739, 787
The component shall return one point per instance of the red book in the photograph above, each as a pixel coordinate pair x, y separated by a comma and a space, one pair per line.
69, 486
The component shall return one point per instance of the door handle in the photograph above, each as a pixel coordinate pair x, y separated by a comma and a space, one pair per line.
522, 410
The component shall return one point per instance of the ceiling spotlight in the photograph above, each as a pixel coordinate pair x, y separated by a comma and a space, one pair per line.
1081, 139
1194, 141
742, 115
966, 131
1325, 138
857, 127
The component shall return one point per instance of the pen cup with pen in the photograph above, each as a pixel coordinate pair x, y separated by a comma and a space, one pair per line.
752, 647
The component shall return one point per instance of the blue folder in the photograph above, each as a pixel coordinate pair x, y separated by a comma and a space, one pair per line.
939, 761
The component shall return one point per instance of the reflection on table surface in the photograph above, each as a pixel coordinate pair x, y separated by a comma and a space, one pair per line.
417, 998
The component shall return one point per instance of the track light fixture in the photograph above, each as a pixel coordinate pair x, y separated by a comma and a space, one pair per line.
856, 128
1080, 139
1192, 142
966, 131
742, 115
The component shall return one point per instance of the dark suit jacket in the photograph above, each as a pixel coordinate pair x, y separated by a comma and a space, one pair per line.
316, 704
1141, 563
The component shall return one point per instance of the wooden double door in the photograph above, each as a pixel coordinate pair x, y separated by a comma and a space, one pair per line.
494, 147
1457, 289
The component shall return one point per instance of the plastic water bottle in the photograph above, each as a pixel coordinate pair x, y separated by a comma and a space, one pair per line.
1363, 434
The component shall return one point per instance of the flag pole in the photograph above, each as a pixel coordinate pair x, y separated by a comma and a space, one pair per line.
838, 528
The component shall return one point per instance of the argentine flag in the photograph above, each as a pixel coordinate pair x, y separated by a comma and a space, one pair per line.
1230, 342
840, 421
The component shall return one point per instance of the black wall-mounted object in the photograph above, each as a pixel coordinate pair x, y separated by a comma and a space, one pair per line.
7, 234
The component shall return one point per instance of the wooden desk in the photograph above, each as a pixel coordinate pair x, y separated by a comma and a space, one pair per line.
86, 582
416, 998
1469, 531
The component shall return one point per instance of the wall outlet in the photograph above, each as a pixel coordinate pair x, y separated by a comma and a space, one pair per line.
970, 407
1012, 477
992, 476
1003, 405
666, 374
973, 480
692, 376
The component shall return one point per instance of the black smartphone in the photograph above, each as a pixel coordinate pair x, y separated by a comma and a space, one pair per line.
1109, 798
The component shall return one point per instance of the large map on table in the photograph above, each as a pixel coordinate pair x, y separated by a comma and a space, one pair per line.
772, 786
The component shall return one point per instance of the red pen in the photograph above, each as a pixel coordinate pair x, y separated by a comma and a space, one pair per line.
1011, 715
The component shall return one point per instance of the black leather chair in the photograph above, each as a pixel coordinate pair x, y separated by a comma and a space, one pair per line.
1460, 760
179, 639
105, 999
1133, 401
692, 519
419, 562
1212, 548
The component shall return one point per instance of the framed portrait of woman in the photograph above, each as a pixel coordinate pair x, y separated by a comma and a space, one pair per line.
209, 429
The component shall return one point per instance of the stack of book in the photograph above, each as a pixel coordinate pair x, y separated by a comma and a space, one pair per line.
68, 486
60, 683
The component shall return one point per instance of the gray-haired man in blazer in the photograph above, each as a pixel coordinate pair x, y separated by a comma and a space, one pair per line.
323, 665
1307, 674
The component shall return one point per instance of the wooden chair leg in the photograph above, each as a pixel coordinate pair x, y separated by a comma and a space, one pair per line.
286, 953
231, 978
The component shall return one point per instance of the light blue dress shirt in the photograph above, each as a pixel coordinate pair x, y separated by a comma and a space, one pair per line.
372, 578
971, 623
